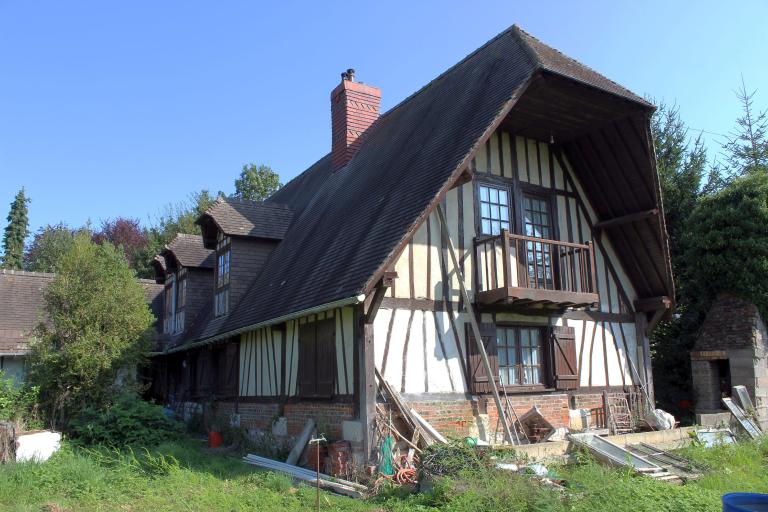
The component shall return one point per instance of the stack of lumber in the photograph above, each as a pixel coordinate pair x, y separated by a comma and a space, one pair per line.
337, 485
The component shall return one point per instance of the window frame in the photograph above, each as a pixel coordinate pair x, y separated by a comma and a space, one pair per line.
500, 185
545, 367
220, 286
181, 299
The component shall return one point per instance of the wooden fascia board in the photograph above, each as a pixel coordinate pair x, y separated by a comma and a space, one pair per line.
449, 183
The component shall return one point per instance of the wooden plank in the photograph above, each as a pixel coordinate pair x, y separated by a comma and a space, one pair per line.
751, 428
301, 442
473, 321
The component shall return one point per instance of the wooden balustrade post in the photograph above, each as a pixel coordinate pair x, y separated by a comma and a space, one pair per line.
592, 267
505, 257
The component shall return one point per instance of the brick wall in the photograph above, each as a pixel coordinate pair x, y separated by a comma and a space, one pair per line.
731, 323
593, 402
457, 417
329, 416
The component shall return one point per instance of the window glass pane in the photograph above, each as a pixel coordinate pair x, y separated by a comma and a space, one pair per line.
504, 213
505, 225
484, 193
503, 197
494, 195
495, 227
495, 214
486, 227
485, 210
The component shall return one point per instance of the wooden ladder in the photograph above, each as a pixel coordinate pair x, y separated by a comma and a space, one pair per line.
618, 412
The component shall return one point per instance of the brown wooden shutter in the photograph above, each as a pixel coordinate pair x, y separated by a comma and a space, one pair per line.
307, 360
565, 369
480, 382
232, 367
326, 357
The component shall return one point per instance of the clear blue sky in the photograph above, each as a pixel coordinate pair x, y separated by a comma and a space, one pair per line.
119, 108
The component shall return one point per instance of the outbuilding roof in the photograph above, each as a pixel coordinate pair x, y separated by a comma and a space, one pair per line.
188, 251
241, 217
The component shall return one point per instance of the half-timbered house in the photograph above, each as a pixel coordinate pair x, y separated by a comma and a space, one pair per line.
517, 189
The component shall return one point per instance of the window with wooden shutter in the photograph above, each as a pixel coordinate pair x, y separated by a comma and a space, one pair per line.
565, 369
317, 359
480, 381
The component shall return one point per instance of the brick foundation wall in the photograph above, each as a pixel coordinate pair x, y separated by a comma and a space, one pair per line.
457, 418
329, 416
592, 402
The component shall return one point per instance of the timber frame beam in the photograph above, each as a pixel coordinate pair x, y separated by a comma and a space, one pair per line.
658, 306
374, 302
626, 219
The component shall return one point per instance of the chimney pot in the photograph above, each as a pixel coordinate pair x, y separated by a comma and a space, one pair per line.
351, 75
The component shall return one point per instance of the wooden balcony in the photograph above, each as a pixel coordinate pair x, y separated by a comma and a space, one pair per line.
523, 270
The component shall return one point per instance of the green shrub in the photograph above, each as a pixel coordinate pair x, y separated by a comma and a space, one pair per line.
129, 421
18, 403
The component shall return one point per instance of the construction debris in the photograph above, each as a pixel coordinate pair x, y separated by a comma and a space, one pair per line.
710, 437
617, 456
534, 426
745, 421
345, 487
684, 468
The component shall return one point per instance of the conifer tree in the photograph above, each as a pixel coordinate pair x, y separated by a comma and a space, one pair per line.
747, 147
16, 232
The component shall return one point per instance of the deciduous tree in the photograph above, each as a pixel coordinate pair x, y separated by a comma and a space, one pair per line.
98, 325
256, 182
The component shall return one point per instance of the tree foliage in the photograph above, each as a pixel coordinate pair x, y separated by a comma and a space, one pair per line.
16, 232
175, 219
257, 182
47, 247
98, 325
727, 244
747, 147
125, 234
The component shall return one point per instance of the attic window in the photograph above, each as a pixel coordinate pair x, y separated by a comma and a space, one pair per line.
223, 258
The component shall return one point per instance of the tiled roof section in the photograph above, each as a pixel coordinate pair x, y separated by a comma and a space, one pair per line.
240, 217
356, 217
154, 295
731, 323
22, 296
554, 61
189, 251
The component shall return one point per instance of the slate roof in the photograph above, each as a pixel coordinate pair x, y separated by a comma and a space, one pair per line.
347, 224
22, 299
240, 217
189, 251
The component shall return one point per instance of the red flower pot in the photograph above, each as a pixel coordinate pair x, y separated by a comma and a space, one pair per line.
214, 439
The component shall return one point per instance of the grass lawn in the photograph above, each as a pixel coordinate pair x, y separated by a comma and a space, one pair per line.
184, 476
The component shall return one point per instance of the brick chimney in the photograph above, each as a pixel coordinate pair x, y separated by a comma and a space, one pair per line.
354, 108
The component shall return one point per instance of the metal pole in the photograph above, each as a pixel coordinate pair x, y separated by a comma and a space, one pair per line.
316, 441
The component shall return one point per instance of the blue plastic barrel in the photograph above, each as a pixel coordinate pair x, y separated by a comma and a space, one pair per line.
745, 502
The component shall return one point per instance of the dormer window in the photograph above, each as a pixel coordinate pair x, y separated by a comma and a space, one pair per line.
181, 299
223, 258
169, 320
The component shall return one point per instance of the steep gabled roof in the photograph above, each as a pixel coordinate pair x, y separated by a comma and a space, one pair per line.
240, 217
22, 295
552, 60
189, 251
348, 225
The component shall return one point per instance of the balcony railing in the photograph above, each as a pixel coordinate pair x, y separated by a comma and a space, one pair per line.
517, 269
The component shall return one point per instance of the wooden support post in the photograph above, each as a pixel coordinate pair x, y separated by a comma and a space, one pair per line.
644, 354
473, 323
366, 390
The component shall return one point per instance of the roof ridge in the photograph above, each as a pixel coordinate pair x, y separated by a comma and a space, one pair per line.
25, 273
522, 34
